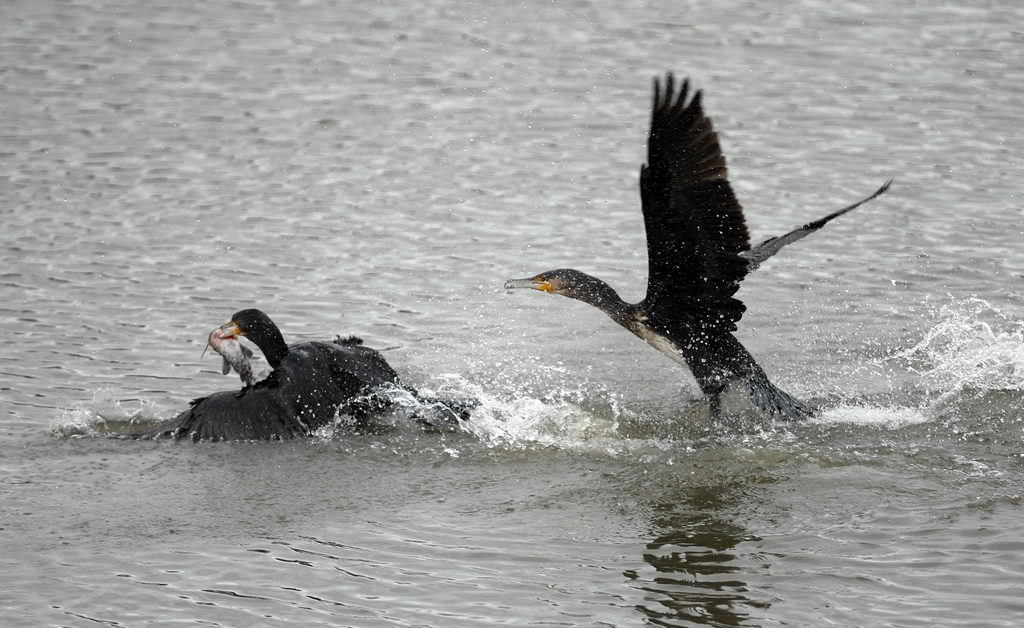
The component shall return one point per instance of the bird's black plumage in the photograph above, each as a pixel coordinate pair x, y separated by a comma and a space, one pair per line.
695, 226
698, 252
311, 382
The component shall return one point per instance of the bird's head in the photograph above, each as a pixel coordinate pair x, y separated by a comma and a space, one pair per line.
257, 327
566, 282
250, 322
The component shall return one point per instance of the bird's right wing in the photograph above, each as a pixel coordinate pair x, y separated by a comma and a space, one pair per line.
771, 246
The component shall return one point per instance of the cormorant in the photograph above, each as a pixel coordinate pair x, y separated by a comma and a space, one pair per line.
311, 382
698, 251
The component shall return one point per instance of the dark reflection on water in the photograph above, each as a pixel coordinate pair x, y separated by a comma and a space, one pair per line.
695, 572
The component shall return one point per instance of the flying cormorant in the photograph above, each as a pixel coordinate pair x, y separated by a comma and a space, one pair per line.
698, 251
309, 385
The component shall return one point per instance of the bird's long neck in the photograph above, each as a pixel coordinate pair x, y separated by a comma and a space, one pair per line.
605, 298
272, 344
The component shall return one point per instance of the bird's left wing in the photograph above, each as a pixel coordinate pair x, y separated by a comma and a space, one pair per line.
696, 233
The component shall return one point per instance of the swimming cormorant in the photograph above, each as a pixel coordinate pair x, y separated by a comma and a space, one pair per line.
309, 385
698, 251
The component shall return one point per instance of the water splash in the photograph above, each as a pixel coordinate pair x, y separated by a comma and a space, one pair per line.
892, 417
974, 347
100, 416
507, 417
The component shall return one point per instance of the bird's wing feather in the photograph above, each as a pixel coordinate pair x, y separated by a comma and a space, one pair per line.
771, 246
266, 410
696, 233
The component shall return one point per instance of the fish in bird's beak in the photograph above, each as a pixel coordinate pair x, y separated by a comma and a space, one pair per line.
532, 282
218, 335
224, 341
225, 331
228, 330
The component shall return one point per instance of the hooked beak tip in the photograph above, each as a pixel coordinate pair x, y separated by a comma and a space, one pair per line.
512, 284
531, 283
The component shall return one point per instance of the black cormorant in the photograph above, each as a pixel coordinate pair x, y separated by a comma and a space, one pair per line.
309, 385
698, 251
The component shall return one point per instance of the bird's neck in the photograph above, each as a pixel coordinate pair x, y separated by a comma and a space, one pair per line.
273, 346
605, 298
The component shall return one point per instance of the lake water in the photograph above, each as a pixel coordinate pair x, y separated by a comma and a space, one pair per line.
380, 170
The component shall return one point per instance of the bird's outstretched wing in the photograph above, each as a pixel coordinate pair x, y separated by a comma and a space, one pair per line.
264, 411
771, 246
696, 233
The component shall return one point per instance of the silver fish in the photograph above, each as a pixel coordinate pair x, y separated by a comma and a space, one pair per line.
235, 355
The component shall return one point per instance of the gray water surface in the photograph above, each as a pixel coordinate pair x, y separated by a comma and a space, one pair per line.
354, 168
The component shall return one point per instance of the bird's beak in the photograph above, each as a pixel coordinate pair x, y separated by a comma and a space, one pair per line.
543, 286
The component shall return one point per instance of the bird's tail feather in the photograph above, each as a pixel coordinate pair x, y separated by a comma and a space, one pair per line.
774, 400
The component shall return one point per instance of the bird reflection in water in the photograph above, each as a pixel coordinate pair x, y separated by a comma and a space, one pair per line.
694, 572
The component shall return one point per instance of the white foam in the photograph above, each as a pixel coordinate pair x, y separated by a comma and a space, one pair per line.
563, 419
88, 418
965, 351
891, 417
